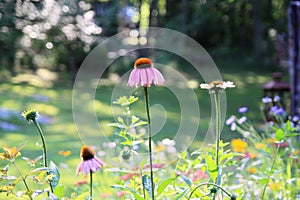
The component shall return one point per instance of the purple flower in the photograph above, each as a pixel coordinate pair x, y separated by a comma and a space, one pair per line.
266, 100
144, 74
276, 98
276, 110
242, 120
243, 109
89, 162
295, 118
230, 120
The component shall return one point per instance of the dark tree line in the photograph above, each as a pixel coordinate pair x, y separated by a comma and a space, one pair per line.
29, 32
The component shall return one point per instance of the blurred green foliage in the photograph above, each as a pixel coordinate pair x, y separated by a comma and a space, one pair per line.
57, 35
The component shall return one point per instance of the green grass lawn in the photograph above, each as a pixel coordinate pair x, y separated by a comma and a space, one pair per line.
61, 134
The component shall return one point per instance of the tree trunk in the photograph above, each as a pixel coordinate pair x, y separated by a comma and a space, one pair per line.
184, 15
154, 14
294, 55
257, 28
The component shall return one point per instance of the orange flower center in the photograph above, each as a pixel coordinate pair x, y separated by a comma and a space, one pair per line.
143, 63
87, 153
217, 83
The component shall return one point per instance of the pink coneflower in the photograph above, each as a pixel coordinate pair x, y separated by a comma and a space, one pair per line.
144, 74
89, 162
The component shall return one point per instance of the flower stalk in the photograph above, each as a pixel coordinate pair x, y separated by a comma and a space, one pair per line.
218, 131
31, 115
212, 184
150, 140
45, 161
91, 184
23, 179
271, 170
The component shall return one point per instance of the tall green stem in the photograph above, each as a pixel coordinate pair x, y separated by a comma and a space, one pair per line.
215, 185
23, 179
218, 131
271, 170
91, 185
44, 148
150, 139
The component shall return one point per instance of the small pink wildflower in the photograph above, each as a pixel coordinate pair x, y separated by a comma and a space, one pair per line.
80, 183
89, 162
127, 176
144, 74
198, 175
121, 193
155, 166
105, 195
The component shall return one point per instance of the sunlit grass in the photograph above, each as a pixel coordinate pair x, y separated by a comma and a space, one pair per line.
61, 134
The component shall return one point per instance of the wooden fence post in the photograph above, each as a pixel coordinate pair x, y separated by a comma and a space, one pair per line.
294, 54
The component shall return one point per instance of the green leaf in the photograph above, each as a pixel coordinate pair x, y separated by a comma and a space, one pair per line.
179, 196
197, 152
212, 167
53, 196
59, 191
37, 170
229, 156
134, 119
120, 120
141, 123
142, 164
82, 196
131, 190
54, 170
279, 134
186, 180
127, 142
291, 135
146, 180
133, 99
116, 125
183, 155
165, 184
38, 192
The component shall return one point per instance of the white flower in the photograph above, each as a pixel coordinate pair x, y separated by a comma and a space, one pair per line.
217, 84
227, 84
206, 86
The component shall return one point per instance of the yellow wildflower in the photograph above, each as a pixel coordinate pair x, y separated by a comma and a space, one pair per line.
274, 185
238, 145
260, 146
271, 140
160, 148
252, 170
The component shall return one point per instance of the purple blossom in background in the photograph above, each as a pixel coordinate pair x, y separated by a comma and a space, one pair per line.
266, 100
276, 99
242, 120
276, 110
43, 119
280, 111
295, 118
230, 120
6, 126
7, 113
40, 97
243, 109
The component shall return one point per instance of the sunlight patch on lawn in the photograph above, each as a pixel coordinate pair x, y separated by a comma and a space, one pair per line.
100, 108
45, 108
